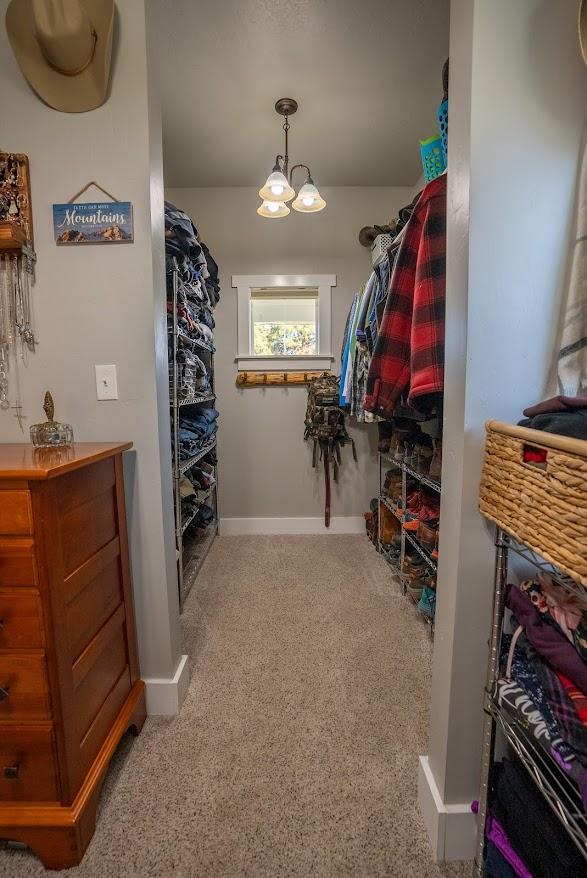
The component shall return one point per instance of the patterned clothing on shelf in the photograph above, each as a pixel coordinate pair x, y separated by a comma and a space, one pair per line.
563, 610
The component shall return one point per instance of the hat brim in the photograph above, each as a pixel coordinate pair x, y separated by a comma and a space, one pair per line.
69, 94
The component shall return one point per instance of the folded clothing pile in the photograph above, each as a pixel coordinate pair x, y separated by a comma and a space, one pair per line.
198, 290
545, 672
565, 415
544, 688
194, 488
192, 375
196, 431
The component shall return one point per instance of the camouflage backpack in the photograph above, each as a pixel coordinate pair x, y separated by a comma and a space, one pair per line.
326, 427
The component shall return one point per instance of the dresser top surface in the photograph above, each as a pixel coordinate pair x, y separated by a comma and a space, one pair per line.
24, 461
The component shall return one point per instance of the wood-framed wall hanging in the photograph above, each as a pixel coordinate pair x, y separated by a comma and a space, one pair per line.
17, 274
94, 222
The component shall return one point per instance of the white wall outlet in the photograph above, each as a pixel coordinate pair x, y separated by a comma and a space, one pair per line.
106, 382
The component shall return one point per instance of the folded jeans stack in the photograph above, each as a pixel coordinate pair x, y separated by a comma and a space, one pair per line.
196, 431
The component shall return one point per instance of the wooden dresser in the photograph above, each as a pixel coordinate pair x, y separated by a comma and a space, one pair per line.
69, 677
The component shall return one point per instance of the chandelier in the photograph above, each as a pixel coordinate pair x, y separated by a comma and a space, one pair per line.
278, 188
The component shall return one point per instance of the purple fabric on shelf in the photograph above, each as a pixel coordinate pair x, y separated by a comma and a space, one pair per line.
495, 832
550, 643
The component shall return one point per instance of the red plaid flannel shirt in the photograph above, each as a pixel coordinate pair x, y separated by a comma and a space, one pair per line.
409, 352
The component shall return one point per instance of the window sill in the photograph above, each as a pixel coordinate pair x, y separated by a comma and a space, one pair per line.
284, 364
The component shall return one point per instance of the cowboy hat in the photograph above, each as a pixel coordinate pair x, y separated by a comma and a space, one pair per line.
583, 29
63, 48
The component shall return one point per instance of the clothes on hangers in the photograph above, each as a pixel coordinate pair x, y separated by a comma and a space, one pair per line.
345, 356
409, 352
364, 322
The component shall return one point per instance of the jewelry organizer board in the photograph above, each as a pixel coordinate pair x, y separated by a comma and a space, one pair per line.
15, 193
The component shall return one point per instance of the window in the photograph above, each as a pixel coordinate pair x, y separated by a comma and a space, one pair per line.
284, 322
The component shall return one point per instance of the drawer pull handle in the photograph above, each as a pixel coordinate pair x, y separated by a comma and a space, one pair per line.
1, 624
4, 692
11, 772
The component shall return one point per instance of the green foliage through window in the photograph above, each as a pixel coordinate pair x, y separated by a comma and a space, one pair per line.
284, 339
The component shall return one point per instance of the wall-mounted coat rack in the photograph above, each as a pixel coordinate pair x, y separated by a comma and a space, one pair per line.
275, 379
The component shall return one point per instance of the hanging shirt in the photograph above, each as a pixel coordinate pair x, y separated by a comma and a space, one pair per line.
365, 302
409, 353
346, 361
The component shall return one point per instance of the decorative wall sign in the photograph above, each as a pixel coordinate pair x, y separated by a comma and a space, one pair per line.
107, 222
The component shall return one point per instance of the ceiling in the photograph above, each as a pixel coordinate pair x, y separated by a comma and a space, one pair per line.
366, 75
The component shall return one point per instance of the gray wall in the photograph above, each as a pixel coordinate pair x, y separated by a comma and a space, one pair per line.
515, 131
105, 304
265, 466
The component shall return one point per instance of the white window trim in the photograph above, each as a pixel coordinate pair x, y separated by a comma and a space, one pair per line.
244, 283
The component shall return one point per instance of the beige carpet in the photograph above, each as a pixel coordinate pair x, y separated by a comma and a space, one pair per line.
295, 753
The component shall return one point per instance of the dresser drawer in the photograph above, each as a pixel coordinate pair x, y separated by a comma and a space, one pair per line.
28, 770
23, 687
15, 513
21, 620
17, 562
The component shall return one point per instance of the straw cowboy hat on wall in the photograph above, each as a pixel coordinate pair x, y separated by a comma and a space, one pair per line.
64, 48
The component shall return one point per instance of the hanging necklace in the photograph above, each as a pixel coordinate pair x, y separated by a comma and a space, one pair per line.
17, 267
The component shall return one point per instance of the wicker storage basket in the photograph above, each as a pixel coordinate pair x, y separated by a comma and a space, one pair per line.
544, 507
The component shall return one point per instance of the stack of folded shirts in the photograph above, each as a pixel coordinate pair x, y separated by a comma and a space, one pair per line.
197, 269
192, 375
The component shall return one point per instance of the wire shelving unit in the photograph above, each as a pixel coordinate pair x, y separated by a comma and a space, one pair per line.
558, 789
191, 550
396, 558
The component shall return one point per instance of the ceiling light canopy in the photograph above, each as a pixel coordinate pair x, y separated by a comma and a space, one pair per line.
278, 188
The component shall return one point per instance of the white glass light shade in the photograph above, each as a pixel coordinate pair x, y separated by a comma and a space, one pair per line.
273, 209
277, 188
309, 199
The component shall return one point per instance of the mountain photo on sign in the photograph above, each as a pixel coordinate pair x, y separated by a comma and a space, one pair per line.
109, 222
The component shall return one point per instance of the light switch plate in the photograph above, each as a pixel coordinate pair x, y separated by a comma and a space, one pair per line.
106, 382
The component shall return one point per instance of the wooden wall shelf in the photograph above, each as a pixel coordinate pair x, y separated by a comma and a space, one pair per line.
275, 379
12, 238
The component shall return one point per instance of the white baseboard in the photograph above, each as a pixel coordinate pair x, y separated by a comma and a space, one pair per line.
165, 696
451, 828
351, 524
